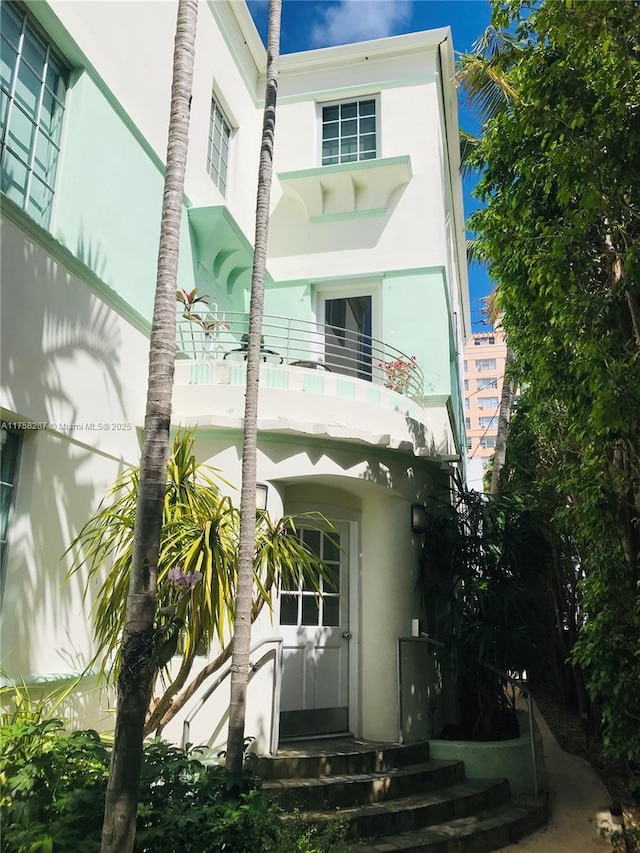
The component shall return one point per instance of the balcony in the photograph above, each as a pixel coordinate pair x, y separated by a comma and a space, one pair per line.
316, 379
298, 343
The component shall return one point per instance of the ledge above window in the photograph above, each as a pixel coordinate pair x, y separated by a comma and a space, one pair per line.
356, 189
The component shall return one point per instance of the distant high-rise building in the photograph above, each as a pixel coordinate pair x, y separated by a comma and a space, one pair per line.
484, 359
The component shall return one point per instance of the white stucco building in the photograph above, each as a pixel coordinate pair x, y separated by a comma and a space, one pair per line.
366, 274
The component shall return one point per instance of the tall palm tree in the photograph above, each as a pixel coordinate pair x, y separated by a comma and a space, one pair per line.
136, 672
244, 591
483, 75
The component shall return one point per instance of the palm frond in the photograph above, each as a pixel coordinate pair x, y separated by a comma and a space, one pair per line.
486, 87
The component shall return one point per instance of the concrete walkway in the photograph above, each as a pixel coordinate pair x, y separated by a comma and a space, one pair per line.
579, 804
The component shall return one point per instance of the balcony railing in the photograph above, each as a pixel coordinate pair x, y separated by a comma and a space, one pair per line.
301, 344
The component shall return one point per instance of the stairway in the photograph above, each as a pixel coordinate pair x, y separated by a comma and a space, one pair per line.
393, 797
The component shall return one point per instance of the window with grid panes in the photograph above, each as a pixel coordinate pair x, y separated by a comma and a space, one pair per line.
488, 422
349, 132
317, 601
488, 382
33, 86
488, 403
488, 441
485, 364
218, 157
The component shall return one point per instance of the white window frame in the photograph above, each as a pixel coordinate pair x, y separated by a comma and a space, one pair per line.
488, 403
213, 165
357, 99
485, 383
483, 364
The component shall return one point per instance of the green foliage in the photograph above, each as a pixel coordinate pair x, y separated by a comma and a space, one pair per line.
479, 573
53, 787
560, 230
197, 568
54, 784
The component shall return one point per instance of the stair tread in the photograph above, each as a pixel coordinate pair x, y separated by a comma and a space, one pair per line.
501, 816
441, 795
374, 775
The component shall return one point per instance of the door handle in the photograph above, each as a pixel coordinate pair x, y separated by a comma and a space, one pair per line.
346, 635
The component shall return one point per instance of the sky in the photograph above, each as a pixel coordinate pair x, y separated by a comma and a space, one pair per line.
308, 24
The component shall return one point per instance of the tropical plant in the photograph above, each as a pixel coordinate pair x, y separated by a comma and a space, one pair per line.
137, 671
560, 232
244, 590
53, 794
197, 572
478, 578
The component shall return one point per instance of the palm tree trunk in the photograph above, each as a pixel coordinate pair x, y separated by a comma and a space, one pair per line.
137, 670
244, 591
506, 404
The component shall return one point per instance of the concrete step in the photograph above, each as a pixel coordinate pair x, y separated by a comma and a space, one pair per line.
306, 759
352, 789
487, 830
416, 811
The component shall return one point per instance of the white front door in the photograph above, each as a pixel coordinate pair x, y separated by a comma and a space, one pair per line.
315, 630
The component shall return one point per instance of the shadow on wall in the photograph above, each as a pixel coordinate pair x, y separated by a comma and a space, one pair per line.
290, 218
61, 347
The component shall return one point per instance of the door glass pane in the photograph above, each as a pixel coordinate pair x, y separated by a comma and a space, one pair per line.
288, 609
331, 611
332, 582
348, 335
310, 610
331, 547
311, 539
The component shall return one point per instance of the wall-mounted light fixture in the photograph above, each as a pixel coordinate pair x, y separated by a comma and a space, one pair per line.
262, 490
418, 518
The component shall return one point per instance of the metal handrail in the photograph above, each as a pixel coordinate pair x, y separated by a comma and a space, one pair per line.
299, 343
515, 682
275, 703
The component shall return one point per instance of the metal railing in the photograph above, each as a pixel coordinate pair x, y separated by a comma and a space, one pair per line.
274, 735
299, 343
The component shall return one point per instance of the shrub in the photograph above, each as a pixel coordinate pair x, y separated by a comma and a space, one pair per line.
54, 784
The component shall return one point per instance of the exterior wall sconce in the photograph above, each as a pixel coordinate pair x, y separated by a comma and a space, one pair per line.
418, 518
262, 490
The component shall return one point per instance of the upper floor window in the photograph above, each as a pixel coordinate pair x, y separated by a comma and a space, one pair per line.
465, 366
485, 364
349, 132
486, 382
488, 403
466, 384
488, 340
488, 441
467, 423
33, 83
218, 157
487, 422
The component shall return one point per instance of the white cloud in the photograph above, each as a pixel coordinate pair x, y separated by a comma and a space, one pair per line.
359, 20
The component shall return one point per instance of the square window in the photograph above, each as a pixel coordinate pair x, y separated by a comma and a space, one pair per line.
349, 132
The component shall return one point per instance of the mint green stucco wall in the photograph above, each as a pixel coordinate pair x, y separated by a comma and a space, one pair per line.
108, 200
415, 320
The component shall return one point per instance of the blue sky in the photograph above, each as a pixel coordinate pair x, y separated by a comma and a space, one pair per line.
319, 23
